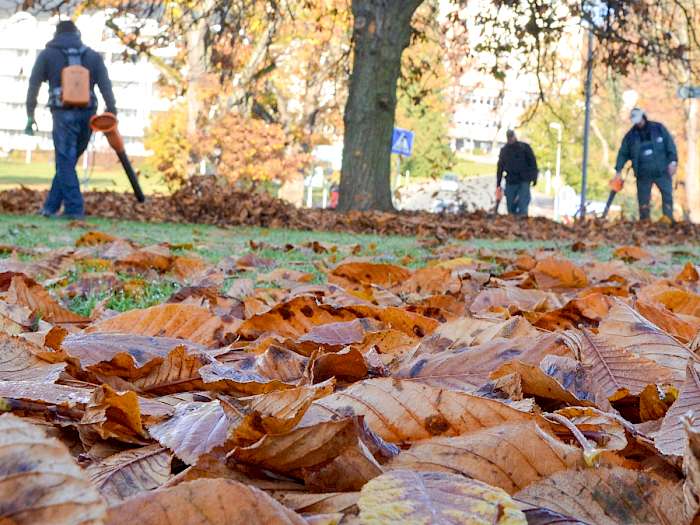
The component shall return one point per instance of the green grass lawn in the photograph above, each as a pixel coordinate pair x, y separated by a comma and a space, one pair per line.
285, 248
471, 168
38, 175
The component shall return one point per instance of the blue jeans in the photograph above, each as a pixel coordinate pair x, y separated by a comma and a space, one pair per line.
71, 135
517, 197
664, 182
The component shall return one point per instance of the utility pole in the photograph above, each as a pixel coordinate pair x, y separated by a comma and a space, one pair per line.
587, 123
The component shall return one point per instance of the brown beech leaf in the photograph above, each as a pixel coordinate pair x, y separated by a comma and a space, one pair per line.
626, 329
131, 472
30, 396
129, 356
18, 362
689, 274
680, 301
403, 496
632, 253
293, 319
672, 438
204, 502
340, 334
194, 430
609, 496
509, 456
515, 300
27, 292
615, 371
403, 411
364, 273
113, 414
187, 268
274, 369
469, 368
554, 274
472, 331
156, 257
430, 281
691, 470
411, 324
40, 483
556, 378
93, 238
679, 328
181, 321
178, 372
348, 365
273, 413
313, 504
331, 455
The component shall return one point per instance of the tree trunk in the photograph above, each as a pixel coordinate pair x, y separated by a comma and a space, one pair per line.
692, 170
382, 30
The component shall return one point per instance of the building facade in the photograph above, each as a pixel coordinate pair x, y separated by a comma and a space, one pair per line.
23, 36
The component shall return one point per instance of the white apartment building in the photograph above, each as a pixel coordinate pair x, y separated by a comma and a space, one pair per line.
23, 36
484, 107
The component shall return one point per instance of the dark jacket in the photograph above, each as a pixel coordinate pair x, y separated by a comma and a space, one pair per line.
664, 148
519, 162
52, 60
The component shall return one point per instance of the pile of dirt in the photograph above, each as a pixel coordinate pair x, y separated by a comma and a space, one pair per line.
203, 201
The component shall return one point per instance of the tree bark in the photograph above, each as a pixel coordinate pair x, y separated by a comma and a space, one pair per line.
382, 30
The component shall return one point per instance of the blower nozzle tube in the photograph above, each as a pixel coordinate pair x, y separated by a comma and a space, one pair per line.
107, 124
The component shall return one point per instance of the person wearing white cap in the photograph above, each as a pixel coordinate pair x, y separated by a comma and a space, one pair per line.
654, 158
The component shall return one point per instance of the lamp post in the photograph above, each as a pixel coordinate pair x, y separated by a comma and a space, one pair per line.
557, 176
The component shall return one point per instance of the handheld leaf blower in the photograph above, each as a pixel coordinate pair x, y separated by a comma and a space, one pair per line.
107, 124
616, 186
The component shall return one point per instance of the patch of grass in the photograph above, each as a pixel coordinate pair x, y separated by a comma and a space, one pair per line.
152, 293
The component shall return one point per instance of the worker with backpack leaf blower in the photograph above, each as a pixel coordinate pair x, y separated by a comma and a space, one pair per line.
72, 70
654, 158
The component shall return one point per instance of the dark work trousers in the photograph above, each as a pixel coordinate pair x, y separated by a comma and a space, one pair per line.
517, 197
664, 182
71, 135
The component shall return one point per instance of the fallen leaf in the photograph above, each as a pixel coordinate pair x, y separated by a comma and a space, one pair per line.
609, 496
632, 253
93, 238
403, 496
509, 456
204, 502
131, 472
556, 274
26, 292
672, 438
41, 483
181, 321
360, 273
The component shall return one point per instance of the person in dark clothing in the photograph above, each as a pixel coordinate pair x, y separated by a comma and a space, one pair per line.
518, 161
654, 158
71, 126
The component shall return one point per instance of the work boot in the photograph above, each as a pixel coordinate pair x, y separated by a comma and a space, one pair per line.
46, 213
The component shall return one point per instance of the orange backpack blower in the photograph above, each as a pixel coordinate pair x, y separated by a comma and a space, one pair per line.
107, 124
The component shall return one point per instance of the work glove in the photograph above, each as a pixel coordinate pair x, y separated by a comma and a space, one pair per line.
31, 126
499, 193
672, 168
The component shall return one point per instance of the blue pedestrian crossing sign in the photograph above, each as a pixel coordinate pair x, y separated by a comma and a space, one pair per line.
402, 142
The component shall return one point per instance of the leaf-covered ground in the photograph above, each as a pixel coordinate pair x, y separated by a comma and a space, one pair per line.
194, 375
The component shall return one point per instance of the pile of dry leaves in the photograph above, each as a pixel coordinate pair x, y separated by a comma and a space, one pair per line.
203, 201
549, 393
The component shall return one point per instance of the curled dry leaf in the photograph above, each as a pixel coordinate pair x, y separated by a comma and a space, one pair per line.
556, 274
93, 238
688, 274
509, 456
194, 430
40, 483
364, 273
691, 471
632, 253
27, 292
348, 365
680, 301
403, 496
204, 502
404, 411
514, 299
131, 472
681, 329
609, 496
18, 362
672, 438
181, 321
616, 372
319, 453
274, 369
626, 329
472, 331
114, 415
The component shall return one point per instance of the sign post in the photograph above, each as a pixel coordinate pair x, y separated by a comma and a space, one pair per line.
402, 146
